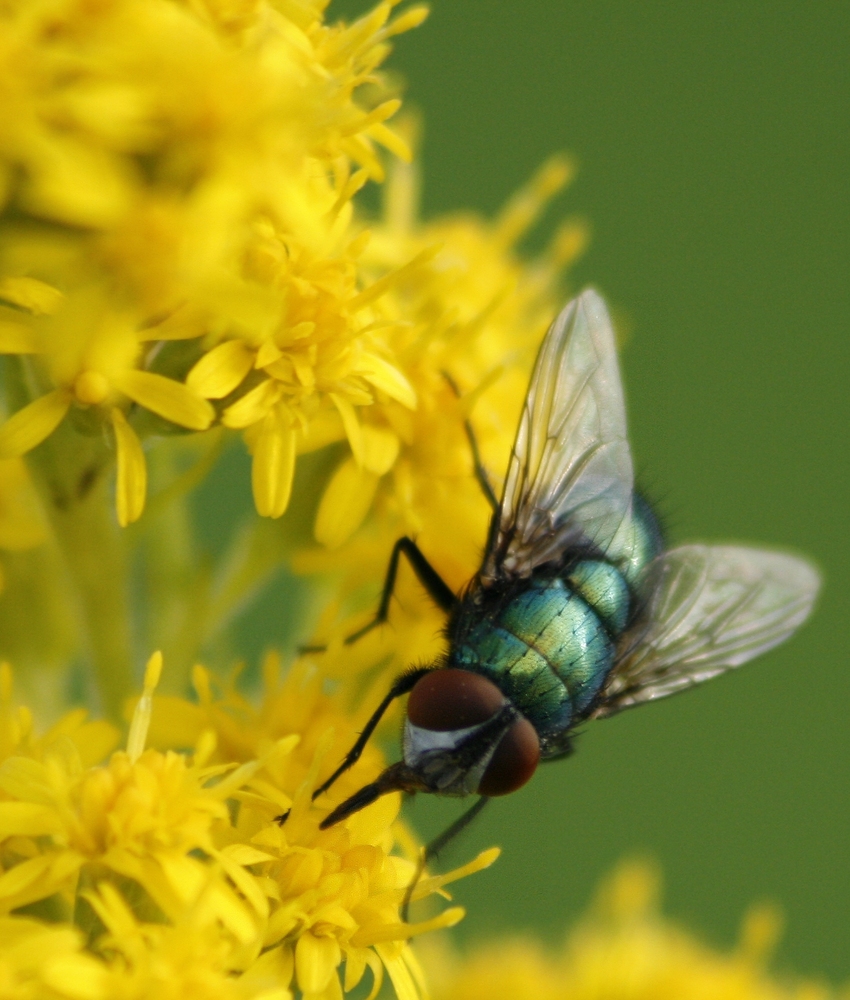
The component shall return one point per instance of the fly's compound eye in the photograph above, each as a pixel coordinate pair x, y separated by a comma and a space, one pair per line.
449, 699
514, 761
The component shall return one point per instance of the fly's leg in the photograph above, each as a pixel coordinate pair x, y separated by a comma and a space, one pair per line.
438, 590
480, 471
433, 849
401, 686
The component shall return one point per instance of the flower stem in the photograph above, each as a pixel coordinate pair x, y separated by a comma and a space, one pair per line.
71, 471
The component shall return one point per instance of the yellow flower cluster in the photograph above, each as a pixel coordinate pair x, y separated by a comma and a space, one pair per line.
622, 950
179, 238
177, 182
467, 325
151, 871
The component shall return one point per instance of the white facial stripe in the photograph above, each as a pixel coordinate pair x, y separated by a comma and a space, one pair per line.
419, 744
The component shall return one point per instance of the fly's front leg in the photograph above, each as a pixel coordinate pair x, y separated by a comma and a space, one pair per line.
433, 849
401, 686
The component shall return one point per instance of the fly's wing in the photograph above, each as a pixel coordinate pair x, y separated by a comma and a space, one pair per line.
710, 608
570, 478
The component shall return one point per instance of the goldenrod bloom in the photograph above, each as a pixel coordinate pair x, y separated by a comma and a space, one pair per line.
178, 861
175, 173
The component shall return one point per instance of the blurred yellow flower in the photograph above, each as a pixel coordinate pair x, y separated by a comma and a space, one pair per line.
622, 950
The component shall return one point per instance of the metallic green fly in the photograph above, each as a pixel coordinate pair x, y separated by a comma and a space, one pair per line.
577, 611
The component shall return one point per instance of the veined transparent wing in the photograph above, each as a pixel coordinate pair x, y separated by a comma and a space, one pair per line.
570, 478
710, 608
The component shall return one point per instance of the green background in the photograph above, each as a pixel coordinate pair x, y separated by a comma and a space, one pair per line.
712, 142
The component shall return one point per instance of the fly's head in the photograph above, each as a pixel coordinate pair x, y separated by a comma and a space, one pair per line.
461, 737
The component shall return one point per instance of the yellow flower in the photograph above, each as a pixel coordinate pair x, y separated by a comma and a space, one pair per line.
468, 321
179, 863
466, 326
22, 526
156, 161
623, 950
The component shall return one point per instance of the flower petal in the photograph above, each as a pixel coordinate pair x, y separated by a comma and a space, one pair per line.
380, 449
253, 406
27, 819
351, 424
167, 398
132, 480
316, 960
273, 467
405, 987
31, 294
35, 422
384, 376
345, 504
221, 370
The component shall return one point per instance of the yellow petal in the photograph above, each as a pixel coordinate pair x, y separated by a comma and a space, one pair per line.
345, 504
267, 353
392, 141
78, 977
316, 960
27, 819
167, 398
31, 294
22, 875
379, 287
31, 425
405, 987
273, 467
379, 933
382, 375
351, 424
325, 428
15, 338
253, 406
380, 449
221, 370
426, 886
355, 966
132, 480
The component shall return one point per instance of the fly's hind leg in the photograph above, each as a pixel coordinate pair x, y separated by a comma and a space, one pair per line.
480, 471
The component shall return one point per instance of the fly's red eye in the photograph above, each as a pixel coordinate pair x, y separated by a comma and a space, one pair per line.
514, 761
453, 699
449, 699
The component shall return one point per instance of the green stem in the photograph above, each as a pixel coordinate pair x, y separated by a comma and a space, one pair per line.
71, 471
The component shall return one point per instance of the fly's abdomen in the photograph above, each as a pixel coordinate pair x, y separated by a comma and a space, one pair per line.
520, 672
562, 627
550, 647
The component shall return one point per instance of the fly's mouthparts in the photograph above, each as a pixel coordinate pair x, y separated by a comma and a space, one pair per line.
397, 778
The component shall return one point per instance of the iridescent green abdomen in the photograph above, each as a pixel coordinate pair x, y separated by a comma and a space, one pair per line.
548, 648
549, 644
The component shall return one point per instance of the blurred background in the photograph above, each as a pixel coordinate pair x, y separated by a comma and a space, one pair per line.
713, 148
